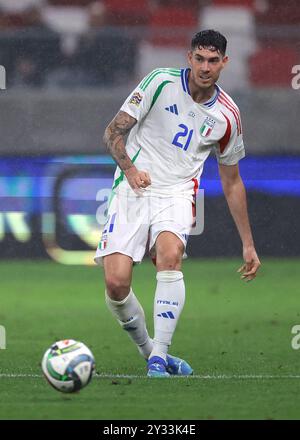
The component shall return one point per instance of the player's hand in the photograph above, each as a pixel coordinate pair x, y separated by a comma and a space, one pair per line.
249, 269
138, 180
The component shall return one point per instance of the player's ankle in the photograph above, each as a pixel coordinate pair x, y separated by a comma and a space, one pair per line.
146, 348
159, 350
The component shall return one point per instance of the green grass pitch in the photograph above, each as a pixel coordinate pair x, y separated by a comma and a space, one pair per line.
237, 337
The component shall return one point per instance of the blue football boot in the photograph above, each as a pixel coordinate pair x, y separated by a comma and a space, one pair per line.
178, 367
157, 367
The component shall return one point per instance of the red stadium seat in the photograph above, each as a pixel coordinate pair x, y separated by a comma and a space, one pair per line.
72, 3
279, 14
271, 66
243, 3
129, 5
171, 26
12, 21
18, 20
127, 12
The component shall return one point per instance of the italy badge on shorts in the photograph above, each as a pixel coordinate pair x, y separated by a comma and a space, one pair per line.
103, 241
207, 126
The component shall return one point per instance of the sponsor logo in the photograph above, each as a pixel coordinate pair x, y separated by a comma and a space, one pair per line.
192, 114
136, 99
173, 109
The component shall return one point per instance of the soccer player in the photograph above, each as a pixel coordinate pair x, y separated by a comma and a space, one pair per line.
175, 118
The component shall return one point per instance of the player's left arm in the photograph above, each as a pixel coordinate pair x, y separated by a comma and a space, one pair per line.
235, 193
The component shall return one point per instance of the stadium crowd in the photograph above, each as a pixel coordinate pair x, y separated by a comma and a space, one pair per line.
71, 42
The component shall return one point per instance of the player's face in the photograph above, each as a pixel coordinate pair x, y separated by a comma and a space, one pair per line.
206, 66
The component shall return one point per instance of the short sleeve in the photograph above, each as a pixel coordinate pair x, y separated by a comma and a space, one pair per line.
230, 148
140, 101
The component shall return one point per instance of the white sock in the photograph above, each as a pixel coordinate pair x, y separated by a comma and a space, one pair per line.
168, 304
131, 317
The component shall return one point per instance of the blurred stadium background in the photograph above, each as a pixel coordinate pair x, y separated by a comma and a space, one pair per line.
69, 66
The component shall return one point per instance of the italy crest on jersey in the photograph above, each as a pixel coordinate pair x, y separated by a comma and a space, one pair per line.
207, 126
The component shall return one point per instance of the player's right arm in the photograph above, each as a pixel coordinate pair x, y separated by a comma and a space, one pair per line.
114, 139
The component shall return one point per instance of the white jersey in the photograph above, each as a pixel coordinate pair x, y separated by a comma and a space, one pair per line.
174, 135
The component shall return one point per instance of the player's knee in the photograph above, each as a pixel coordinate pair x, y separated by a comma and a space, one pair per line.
117, 287
169, 259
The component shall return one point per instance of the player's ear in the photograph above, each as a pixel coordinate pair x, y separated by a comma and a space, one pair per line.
225, 60
189, 57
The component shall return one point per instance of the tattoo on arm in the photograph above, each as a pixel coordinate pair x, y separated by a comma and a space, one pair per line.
114, 136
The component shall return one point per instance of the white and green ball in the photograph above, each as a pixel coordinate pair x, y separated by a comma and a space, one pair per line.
68, 365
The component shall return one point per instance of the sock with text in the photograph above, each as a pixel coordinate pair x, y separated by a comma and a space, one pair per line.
168, 304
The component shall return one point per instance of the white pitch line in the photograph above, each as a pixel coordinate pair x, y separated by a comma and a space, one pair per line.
133, 376
17, 375
201, 377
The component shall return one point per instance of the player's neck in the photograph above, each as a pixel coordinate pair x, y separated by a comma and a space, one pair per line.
198, 94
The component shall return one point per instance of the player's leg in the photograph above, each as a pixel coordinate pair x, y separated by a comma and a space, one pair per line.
117, 275
123, 242
170, 283
169, 296
170, 228
123, 303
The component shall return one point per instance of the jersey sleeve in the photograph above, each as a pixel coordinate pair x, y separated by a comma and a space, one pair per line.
230, 149
140, 99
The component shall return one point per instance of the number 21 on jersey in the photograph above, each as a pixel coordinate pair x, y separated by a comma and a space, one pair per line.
183, 137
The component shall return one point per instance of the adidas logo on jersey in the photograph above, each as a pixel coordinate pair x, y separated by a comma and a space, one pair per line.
172, 109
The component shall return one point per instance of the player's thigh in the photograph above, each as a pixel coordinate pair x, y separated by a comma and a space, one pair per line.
169, 232
169, 251
125, 231
117, 274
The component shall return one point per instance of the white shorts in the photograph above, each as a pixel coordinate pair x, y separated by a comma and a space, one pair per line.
134, 223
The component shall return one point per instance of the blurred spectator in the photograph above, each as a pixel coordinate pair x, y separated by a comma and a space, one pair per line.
97, 14
72, 21
31, 17
31, 50
75, 70
104, 56
107, 58
19, 6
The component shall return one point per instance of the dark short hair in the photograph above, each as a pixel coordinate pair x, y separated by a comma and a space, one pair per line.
210, 39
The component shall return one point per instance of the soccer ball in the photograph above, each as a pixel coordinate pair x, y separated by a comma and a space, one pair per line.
68, 365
